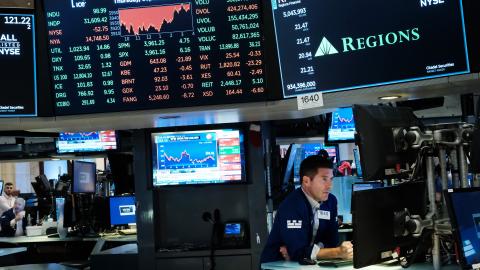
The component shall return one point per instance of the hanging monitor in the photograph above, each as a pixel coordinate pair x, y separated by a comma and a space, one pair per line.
119, 55
330, 46
198, 157
96, 141
18, 65
341, 126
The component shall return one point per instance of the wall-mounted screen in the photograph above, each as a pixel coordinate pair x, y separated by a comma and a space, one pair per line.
338, 45
198, 157
95, 141
17, 65
341, 126
129, 55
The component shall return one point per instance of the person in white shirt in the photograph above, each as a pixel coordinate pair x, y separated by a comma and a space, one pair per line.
7, 199
13, 221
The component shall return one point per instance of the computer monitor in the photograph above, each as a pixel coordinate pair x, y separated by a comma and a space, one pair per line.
96, 141
358, 166
122, 210
374, 228
1, 187
366, 186
341, 126
84, 177
198, 157
381, 149
464, 210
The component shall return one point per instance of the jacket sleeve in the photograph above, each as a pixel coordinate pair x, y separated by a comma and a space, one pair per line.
5, 221
295, 236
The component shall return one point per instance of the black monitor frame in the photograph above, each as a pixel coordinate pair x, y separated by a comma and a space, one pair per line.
378, 146
373, 221
74, 184
242, 127
2, 184
453, 219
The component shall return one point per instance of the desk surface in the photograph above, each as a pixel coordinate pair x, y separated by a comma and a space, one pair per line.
283, 265
48, 266
10, 251
45, 239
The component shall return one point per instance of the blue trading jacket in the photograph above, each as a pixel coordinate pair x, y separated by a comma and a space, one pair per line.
293, 228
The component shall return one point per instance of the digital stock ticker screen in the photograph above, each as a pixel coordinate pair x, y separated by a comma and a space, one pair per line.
17, 65
117, 55
328, 46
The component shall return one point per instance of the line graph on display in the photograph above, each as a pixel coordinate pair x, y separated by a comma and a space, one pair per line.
188, 155
156, 19
342, 119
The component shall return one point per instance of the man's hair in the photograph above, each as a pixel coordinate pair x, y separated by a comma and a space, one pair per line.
20, 200
311, 164
9, 184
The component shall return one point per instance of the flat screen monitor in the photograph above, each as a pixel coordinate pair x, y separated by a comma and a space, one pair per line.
373, 212
117, 55
341, 126
122, 210
198, 157
84, 177
464, 210
309, 149
95, 141
381, 152
391, 42
1, 187
18, 65
356, 156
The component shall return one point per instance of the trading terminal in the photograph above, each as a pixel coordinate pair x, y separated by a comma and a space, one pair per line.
161, 134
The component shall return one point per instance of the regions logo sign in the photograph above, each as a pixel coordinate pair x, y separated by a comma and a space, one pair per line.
361, 43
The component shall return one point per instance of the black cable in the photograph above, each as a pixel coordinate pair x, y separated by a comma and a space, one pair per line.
405, 262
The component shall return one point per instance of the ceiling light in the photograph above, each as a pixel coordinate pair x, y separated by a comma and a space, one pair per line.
389, 97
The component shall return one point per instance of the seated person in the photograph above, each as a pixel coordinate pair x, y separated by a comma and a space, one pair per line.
306, 225
13, 222
7, 200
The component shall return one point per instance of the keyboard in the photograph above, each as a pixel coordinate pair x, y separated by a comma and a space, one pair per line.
334, 262
127, 231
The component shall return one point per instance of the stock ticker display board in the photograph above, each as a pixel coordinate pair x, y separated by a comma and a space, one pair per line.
327, 45
17, 65
119, 55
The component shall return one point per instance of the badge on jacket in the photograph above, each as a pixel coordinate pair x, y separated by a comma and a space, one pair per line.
294, 224
323, 214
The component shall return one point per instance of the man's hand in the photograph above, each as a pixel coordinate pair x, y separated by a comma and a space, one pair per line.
346, 250
19, 216
284, 252
15, 193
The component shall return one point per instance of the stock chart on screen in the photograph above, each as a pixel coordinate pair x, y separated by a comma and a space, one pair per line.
342, 125
197, 157
120, 55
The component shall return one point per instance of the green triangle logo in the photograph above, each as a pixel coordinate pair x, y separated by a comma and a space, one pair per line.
325, 48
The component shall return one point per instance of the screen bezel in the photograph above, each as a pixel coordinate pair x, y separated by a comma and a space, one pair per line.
35, 59
73, 177
2, 184
93, 151
243, 133
110, 213
453, 219
328, 140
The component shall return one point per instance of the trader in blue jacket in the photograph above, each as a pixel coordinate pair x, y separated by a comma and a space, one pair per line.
305, 225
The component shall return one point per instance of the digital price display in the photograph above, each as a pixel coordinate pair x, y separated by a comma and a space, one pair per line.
17, 65
122, 55
339, 45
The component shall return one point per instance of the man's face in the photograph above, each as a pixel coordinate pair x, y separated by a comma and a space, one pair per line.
9, 190
320, 185
19, 206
